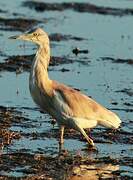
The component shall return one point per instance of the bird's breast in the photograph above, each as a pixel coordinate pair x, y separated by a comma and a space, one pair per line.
39, 97
34, 91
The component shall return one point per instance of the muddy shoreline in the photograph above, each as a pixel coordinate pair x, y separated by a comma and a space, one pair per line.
65, 165
92, 51
79, 7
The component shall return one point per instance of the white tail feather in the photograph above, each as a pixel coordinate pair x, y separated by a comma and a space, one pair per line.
111, 122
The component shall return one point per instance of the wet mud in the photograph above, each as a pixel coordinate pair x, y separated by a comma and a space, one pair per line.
8, 117
79, 7
127, 91
118, 60
18, 24
61, 167
61, 37
23, 63
28, 137
65, 165
19, 64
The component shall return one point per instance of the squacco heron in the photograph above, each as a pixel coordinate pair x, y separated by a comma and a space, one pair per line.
69, 107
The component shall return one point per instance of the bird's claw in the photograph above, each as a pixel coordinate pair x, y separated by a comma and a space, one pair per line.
93, 148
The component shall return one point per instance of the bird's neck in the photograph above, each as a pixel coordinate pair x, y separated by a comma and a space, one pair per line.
39, 70
43, 55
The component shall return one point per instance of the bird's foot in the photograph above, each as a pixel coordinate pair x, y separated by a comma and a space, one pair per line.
90, 142
63, 153
61, 144
93, 148
53, 122
61, 141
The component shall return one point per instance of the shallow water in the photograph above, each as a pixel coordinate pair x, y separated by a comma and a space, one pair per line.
99, 74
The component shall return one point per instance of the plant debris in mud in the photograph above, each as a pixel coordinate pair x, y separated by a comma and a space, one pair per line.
118, 60
127, 91
18, 24
61, 37
6, 137
23, 63
77, 51
128, 104
8, 116
2, 11
117, 136
106, 136
64, 166
39, 166
79, 7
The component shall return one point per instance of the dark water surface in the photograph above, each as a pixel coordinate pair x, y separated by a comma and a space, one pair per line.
28, 141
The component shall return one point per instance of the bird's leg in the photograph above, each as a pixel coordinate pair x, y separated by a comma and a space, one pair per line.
61, 140
90, 141
53, 122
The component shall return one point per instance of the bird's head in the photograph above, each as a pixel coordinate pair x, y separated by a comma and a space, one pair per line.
37, 36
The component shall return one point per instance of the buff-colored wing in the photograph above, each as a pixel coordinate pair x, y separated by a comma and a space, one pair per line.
81, 106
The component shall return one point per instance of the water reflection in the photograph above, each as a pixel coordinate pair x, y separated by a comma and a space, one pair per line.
93, 172
104, 74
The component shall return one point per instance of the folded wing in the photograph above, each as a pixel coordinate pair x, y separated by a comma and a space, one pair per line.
75, 104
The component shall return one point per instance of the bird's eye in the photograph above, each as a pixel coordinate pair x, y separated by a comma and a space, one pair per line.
35, 34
